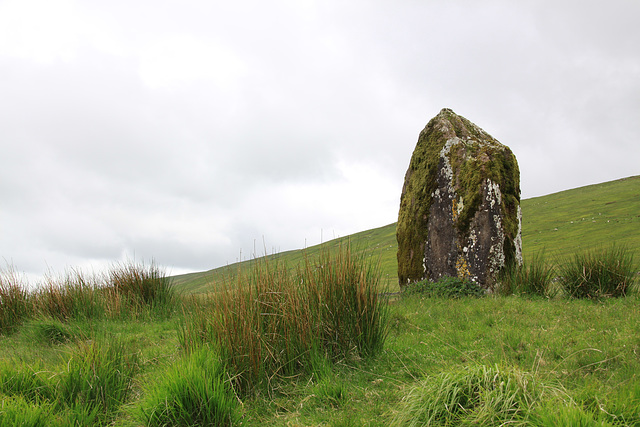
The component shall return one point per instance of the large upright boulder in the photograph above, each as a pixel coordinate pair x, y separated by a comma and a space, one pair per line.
460, 205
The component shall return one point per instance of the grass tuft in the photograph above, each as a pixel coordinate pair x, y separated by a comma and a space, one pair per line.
27, 382
534, 277
52, 332
331, 392
599, 273
553, 415
98, 379
474, 395
96, 382
191, 392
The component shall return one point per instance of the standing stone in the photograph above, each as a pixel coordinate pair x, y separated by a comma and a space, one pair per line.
460, 205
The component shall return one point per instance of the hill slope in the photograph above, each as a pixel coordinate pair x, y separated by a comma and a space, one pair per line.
560, 224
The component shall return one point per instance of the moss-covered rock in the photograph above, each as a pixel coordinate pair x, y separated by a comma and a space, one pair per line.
460, 205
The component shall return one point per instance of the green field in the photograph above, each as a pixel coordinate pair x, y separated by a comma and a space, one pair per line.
587, 217
122, 349
559, 224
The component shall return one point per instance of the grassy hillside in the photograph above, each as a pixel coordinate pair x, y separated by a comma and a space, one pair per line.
560, 224
583, 218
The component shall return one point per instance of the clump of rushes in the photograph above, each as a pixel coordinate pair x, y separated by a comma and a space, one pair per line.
262, 327
140, 285
599, 273
534, 277
193, 391
344, 295
277, 323
13, 301
124, 290
72, 296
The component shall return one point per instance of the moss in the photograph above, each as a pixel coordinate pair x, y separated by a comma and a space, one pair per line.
469, 179
417, 195
501, 167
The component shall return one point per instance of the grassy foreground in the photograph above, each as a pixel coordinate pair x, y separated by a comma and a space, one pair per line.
577, 360
76, 351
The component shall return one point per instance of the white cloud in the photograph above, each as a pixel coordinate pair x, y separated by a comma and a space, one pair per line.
183, 58
38, 30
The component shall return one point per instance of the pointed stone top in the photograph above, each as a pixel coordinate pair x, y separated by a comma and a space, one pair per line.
451, 125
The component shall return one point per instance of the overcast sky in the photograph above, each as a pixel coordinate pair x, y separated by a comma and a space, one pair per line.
185, 131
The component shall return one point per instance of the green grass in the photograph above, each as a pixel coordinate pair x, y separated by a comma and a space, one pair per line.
476, 395
194, 391
559, 224
16, 411
97, 379
267, 330
558, 356
88, 388
445, 287
580, 356
584, 218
